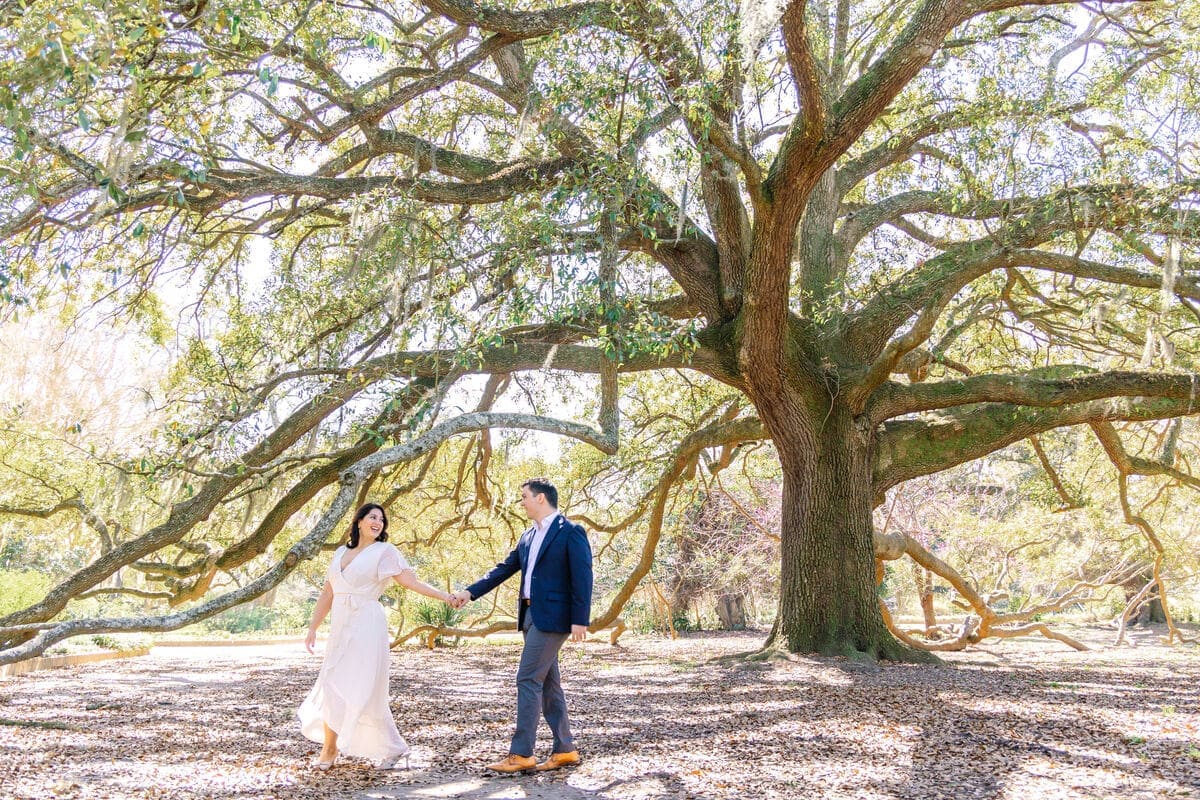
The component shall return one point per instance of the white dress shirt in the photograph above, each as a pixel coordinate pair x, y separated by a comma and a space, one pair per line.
539, 535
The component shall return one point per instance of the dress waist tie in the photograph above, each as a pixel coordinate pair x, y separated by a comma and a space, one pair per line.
354, 600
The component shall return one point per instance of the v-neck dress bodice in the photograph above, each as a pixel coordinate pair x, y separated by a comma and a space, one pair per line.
351, 692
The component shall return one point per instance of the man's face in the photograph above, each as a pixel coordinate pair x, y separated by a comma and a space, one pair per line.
532, 503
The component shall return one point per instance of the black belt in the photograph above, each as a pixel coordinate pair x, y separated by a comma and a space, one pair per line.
525, 601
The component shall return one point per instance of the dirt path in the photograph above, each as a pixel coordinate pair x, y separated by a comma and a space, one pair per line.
655, 719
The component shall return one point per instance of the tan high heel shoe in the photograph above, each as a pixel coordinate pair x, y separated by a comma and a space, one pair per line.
325, 766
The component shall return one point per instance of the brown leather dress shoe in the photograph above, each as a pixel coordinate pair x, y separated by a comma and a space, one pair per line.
558, 761
514, 763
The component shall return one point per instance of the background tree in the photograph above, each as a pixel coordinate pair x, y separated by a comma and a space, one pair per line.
802, 202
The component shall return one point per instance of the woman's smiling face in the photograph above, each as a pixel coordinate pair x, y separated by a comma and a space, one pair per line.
370, 526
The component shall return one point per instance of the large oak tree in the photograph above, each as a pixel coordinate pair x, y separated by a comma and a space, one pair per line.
819, 204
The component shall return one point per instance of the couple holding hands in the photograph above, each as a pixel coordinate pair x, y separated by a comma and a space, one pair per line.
348, 710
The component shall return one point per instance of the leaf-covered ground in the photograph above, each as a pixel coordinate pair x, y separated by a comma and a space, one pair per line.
654, 719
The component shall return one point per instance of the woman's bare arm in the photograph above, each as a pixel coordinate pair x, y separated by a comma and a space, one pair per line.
320, 611
409, 580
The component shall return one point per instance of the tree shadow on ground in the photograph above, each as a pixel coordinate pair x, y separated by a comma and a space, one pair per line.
657, 722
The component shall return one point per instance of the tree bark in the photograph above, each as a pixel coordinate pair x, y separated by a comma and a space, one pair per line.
828, 601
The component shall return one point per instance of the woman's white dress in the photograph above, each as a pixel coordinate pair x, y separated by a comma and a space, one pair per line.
351, 693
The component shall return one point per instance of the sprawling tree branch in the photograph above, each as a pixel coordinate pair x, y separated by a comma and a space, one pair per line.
12, 627
1034, 389
911, 448
186, 514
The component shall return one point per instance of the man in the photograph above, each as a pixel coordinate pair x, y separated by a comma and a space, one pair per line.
555, 561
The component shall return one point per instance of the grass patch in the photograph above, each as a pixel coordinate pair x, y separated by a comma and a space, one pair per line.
29, 723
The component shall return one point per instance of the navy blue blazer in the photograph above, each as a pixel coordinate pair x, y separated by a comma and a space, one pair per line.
561, 589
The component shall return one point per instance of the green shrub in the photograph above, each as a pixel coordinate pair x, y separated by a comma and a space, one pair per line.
282, 618
120, 641
106, 641
639, 617
684, 624
439, 614
292, 617
22, 588
243, 619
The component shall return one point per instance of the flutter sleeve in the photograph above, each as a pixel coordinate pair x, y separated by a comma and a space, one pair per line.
391, 563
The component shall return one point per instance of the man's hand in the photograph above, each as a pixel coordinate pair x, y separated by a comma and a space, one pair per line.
578, 632
460, 598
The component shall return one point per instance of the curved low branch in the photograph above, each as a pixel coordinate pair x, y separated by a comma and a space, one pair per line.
989, 623
303, 550
186, 515
430, 633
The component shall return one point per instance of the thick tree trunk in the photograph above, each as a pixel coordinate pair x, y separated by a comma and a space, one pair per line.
828, 600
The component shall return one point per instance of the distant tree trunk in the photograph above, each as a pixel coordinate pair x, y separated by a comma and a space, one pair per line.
1152, 610
684, 586
731, 610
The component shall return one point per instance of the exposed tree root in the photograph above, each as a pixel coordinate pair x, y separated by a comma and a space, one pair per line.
430, 633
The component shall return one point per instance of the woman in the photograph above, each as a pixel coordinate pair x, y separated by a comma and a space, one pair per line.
347, 710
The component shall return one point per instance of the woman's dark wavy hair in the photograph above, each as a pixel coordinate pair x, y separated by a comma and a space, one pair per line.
365, 509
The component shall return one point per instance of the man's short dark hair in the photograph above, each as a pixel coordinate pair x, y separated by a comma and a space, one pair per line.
543, 486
